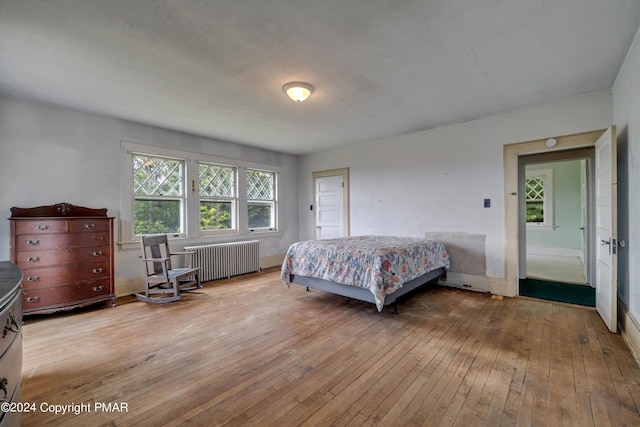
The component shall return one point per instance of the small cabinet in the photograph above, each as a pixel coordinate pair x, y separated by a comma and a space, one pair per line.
66, 255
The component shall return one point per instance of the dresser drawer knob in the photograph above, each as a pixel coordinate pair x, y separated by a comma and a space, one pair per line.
33, 278
97, 253
33, 242
97, 270
97, 288
33, 299
42, 226
33, 258
11, 326
89, 226
97, 237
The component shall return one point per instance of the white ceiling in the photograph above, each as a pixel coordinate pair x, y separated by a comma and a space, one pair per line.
380, 67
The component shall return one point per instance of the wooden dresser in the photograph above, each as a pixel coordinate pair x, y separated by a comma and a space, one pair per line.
66, 255
10, 343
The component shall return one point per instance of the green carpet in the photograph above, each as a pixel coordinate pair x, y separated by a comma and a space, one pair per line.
562, 292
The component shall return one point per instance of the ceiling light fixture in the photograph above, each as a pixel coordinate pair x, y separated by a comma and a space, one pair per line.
298, 91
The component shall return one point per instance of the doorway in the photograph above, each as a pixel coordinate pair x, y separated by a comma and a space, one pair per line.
331, 203
602, 241
555, 217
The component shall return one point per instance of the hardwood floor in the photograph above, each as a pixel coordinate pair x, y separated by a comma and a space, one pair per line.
249, 351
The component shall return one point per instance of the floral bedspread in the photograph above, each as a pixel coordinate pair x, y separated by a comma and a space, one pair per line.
381, 264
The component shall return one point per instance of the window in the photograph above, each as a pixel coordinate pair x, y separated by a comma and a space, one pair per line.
539, 198
261, 201
158, 187
217, 198
193, 195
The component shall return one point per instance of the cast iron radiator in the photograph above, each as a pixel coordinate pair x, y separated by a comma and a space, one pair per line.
223, 260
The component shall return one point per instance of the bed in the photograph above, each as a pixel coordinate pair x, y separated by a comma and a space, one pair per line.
376, 269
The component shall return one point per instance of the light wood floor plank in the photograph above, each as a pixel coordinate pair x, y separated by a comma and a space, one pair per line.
250, 351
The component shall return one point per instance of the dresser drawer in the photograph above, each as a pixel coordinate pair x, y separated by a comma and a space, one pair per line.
10, 322
37, 259
32, 242
40, 226
33, 299
60, 275
9, 375
84, 225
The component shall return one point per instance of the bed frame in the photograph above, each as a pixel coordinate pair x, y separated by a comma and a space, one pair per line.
363, 294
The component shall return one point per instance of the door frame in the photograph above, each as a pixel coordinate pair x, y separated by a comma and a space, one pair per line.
512, 152
344, 172
586, 153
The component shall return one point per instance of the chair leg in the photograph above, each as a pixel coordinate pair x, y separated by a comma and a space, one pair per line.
172, 295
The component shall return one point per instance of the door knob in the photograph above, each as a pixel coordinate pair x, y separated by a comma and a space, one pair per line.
604, 242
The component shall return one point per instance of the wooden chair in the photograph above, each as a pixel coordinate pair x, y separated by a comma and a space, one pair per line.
161, 278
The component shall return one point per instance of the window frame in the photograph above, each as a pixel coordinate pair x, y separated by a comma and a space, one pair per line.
272, 202
181, 198
233, 200
191, 208
547, 200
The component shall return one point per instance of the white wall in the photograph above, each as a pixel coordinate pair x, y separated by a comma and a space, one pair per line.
435, 180
626, 114
51, 154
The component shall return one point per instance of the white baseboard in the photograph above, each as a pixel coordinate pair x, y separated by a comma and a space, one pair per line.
498, 286
136, 284
272, 261
129, 286
466, 281
630, 331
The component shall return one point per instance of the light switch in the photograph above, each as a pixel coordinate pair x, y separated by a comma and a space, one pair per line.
487, 203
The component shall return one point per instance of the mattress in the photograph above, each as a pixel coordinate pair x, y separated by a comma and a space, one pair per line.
381, 264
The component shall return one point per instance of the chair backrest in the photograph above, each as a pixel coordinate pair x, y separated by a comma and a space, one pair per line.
156, 246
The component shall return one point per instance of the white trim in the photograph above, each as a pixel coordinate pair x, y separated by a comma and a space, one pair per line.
630, 331
547, 200
512, 153
272, 261
126, 239
129, 286
470, 282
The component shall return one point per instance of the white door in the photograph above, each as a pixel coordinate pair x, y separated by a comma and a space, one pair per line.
329, 207
606, 195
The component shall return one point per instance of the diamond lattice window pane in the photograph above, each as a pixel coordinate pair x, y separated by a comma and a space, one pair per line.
260, 185
155, 176
217, 181
535, 189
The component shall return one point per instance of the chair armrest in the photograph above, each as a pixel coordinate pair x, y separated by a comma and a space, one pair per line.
188, 257
155, 259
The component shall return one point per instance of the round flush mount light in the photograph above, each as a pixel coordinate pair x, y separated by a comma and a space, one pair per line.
551, 142
298, 91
